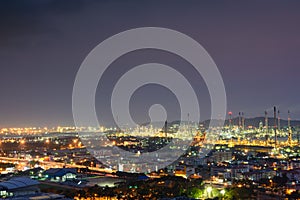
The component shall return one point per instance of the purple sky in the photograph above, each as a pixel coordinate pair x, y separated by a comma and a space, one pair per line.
255, 44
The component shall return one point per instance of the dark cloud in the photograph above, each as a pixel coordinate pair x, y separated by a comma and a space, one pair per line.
42, 44
19, 18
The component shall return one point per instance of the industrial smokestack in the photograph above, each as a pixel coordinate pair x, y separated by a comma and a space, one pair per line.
278, 117
243, 121
275, 126
266, 122
289, 119
289, 129
166, 128
267, 127
240, 123
230, 120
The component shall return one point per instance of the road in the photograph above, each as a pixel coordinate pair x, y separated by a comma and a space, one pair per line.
52, 164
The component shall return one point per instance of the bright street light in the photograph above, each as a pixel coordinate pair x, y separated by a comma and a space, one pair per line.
222, 192
209, 189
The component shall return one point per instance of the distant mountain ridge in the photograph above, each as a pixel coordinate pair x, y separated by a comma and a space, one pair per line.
255, 122
235, 121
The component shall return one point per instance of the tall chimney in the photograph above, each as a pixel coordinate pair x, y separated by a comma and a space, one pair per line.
230, 120
166, 128
289, 119
289, 129
275, 126
278, 117
240, 123
243, 121
266, 122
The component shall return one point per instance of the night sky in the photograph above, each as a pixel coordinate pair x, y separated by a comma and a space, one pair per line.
255, 44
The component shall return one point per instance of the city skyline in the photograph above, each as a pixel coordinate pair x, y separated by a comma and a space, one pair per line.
159, 100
